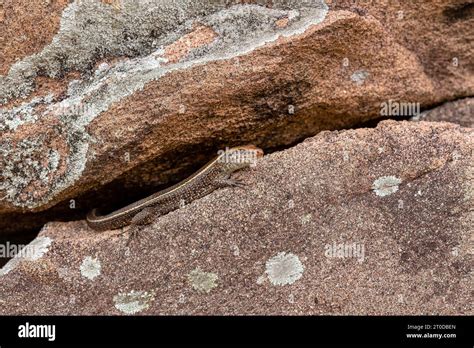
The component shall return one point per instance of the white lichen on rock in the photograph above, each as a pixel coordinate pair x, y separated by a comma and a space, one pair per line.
140, 28
31, 252
261, 279
236, 250
386, 185
90, 267
284, 269
306, 218
202, 281
36, 249
133, 301
359, 76
17, 116
29, 163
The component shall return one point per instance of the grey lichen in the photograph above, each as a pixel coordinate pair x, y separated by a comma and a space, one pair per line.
90, 267
306, 219
30, 163
91, 30
284, 269
133, 301
202, 281
15, 117
359, 76
386, 185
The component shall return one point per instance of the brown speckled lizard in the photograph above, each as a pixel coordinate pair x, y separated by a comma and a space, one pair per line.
212, 176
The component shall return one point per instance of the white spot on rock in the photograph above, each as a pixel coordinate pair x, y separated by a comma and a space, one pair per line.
261, 279
32, 252
181, 298
37, 248
292, 14
202, 281
102, 67
456, 155
305, 219
291, 109
236, 250
90, 267
134, 301
266, 214
345, 156
284, 269
386, 185
359, 76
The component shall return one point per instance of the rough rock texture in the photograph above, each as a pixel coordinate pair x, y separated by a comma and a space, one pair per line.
460, 112
19, 23
367, 221
125, 86
438, 32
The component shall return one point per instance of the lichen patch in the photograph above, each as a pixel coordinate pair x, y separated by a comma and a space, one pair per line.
133, 301
284, 269
202, 281
306, 219
90, 268
359, 77
386, 185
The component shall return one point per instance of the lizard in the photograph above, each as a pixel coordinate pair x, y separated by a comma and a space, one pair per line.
214, 175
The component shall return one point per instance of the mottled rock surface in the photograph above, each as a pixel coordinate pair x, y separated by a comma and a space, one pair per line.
438, 32
19, 23
460, 112
132, 91
367, 221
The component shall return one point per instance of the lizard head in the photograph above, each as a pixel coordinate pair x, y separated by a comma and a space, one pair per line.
240, 157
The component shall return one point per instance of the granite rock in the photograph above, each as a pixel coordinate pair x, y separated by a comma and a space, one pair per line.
366, 221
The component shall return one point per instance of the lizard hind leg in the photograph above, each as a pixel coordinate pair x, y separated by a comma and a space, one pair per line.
142, 218
228, 181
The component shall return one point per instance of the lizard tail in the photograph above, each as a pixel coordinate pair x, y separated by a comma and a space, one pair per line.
92, 215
